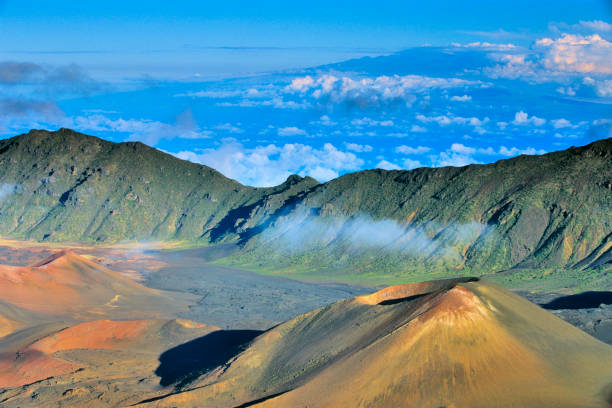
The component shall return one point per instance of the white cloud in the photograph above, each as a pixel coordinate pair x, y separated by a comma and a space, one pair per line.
577, 53
367, 91
604, 88
502, 125
354, 147
514, 151
144, 130
561, 123
487, 46
324, 121
446, 120
302, 232
515, 66
410, 164
462, 149
365, 121
387, 165
596, 25
228, 127
461, 155
463, 98
276, 102
450, 158
271, 164
418, 129
563, 59
521, 118
403, 149
291, 131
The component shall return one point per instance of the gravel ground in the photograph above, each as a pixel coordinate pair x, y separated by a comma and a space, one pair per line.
235, 299
589, 311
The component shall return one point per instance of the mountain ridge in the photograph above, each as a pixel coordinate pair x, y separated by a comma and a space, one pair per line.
525, 212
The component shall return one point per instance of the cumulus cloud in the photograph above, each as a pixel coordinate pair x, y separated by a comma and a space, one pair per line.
603, 88
597, 25
410, 164
144, 130
371, 122
462, 98
452, 158
514, 151
445, 120
271, 164
522, 118
363, 92
358, 148
561, 59
291, 131
459, 155
324, 121
403, 149
418, 129
462, 149
577, 53
387, 165
561, 123
229, 128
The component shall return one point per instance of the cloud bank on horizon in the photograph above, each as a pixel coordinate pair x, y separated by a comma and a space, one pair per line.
451, 105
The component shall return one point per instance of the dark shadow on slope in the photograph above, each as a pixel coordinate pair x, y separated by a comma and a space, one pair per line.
184, 363
260, 400
403, 299
445, 284
585, 300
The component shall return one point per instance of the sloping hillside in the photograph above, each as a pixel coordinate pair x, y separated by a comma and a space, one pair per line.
66, 186
552, 210
529, 212
68, 287
461, 342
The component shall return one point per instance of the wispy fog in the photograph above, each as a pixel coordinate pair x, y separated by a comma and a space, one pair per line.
301, 231
6, 190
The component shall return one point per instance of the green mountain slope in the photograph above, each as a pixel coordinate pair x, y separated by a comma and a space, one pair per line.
66, 186
527, 213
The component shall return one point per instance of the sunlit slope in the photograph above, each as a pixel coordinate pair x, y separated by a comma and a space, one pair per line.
455, 343
67, 186
100, 363
70, 286
541, 211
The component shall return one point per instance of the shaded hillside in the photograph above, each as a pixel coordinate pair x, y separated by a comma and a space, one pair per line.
66, 186
460, 342
553, 210
528, 212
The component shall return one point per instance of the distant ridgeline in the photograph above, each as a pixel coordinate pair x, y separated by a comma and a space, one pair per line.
529, 212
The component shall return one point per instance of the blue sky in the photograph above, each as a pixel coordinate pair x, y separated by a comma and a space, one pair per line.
261, 91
